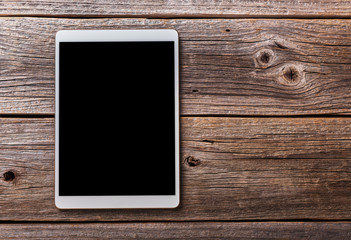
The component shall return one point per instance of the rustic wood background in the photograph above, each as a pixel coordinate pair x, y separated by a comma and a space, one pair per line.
265, 90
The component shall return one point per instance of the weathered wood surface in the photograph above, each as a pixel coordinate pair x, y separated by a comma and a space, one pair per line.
231, 169
174, 8
189, 230
228, 66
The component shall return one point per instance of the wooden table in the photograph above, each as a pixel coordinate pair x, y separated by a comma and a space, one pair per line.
265, 90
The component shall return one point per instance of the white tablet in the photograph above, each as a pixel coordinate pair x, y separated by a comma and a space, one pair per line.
117, 119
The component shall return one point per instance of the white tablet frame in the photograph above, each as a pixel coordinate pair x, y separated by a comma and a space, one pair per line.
94, 202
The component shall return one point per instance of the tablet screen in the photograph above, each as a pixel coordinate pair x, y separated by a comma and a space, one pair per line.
116, 118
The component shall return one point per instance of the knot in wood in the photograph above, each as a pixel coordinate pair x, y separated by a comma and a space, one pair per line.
291, 74
265, 57
191, 161
9, 176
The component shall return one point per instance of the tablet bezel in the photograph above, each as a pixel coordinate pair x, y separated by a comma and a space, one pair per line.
94, 202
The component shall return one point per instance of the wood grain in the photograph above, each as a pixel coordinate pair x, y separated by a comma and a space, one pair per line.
231, 169
228, 66
174, 8
190, 230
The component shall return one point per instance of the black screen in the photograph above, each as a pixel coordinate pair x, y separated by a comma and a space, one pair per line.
116, 118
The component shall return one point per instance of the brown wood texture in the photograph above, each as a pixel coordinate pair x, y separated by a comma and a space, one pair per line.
228, 66
231, 169
189, 230
174, 8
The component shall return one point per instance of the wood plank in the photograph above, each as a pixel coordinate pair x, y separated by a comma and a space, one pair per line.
173, 8
231, 169
228, 66
189, 230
